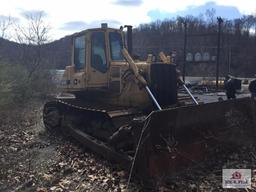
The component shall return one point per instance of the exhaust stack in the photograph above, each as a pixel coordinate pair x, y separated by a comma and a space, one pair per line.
104, 25
129, 38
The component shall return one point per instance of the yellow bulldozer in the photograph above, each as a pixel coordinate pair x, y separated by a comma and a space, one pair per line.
128, 110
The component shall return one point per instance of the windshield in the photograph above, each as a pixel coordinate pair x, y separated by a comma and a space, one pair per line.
99, 60
116, 46
79, 52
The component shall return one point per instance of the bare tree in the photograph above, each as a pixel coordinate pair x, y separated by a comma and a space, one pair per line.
210, 16
35, 31
28, 74
247, 23
5, 24
238, 26
32, 36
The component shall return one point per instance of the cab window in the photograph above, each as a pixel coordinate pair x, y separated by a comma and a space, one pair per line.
98, 61
116, 46
79, 52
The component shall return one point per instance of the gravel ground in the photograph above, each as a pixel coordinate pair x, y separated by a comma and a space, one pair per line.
33, 160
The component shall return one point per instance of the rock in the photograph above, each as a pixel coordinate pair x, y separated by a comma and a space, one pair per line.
118, 190
53, 188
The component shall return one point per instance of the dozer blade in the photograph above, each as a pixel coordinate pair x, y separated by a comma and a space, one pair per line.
175, 138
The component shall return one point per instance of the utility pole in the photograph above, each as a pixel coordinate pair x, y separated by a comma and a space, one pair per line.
229, 60
220, 21
184, 51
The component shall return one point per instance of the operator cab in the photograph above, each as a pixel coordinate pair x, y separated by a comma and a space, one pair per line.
94, 51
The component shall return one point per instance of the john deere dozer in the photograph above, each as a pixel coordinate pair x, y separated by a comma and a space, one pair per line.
128, 110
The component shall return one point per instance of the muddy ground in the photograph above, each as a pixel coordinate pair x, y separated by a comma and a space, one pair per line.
33, 160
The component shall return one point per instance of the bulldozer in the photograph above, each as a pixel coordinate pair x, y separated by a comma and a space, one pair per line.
128, 111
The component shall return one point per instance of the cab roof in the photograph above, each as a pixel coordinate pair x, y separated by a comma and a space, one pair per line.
94, 30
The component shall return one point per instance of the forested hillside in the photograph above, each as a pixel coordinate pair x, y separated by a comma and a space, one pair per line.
237, 48
56, 54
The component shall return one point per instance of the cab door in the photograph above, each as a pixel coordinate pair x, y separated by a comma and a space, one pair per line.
99, 63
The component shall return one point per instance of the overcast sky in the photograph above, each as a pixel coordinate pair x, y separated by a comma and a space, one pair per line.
69, 16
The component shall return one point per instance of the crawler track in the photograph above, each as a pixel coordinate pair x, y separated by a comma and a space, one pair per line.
91, 124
